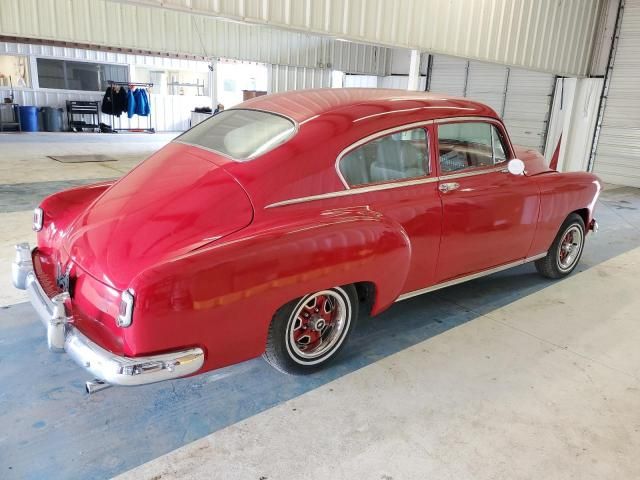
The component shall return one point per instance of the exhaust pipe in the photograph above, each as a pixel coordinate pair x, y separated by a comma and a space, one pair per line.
96, 385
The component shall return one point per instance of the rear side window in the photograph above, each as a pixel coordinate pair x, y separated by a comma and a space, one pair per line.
397, 156
241, 134
469, 145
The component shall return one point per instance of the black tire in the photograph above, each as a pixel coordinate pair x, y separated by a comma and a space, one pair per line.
554, 265
285, 348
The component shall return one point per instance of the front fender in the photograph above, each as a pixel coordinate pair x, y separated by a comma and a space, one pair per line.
560, 195
224, 296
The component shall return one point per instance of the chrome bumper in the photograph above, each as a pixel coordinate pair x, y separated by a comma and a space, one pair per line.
106, 367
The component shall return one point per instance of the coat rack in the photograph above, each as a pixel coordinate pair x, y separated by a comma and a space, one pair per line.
149, 128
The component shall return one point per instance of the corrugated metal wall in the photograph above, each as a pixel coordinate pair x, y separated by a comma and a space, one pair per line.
522, 97
618, 152
81, 54
548, 35
141, 27
283, 78
391, 81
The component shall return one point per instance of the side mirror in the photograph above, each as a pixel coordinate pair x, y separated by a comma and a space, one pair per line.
516, 167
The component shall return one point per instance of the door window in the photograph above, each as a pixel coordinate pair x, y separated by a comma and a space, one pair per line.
397, 156
469, 145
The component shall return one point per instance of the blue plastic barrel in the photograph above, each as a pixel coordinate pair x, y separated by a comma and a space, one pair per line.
29, 119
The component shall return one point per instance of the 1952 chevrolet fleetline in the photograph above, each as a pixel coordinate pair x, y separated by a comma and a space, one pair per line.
265, 229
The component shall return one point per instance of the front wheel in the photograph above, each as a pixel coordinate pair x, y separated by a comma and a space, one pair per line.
566, 249
307, 333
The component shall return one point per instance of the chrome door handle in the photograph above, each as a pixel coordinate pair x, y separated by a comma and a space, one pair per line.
447, 187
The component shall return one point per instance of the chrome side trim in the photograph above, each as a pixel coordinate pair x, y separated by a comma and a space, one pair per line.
466, 278
466, 119
373, 136
471, 173
382, 186
354, 191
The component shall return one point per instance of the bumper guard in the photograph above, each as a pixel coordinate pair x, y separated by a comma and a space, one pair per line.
108, 368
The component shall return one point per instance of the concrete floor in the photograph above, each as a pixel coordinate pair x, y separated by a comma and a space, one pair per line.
507, 377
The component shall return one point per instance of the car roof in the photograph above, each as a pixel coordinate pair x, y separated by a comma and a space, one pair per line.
304, 105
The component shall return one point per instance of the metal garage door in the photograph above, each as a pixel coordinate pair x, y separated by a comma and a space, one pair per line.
618, 151
522, 97
448, 75
528, 107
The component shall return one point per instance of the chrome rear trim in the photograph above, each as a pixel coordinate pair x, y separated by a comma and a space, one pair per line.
104, 365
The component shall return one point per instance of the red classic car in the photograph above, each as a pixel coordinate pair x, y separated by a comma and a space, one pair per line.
267, 228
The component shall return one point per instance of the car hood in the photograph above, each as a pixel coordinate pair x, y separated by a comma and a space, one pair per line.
174, 202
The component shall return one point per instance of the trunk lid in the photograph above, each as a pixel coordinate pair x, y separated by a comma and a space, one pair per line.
177, 200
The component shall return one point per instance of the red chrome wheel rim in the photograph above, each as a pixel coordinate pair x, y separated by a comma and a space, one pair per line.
318, 324
570, 247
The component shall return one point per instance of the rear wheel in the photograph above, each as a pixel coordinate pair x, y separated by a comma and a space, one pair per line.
566, 249
307, 333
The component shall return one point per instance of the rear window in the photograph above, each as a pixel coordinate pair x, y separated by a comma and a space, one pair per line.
241, 134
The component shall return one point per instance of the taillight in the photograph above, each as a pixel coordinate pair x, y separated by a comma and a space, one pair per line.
38, 219
125, 315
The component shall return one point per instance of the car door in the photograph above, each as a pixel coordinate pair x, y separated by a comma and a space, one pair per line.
394, 173
488, 215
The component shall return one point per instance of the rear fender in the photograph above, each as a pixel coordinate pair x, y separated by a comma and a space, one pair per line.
224, 296
62, 208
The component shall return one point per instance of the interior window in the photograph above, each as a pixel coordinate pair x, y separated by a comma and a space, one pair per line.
396, 156
468, 145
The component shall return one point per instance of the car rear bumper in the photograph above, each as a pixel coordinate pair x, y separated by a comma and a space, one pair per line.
103, 365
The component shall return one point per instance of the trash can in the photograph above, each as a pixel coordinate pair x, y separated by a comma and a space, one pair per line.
52, 119
29, 119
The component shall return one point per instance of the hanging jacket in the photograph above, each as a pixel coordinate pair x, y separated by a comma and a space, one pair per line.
114, 101
142, 106
131, 102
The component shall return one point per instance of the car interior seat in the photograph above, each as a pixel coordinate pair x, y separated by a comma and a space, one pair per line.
396, 160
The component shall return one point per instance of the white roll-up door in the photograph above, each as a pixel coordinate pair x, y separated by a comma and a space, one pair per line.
522, 97
528, 106
487, 83
448, 75
618, 151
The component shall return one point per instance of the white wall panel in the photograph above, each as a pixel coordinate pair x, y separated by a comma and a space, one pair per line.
142, 27
618, 152
169, 113
361, 81
283, 78
549, 35
400, 81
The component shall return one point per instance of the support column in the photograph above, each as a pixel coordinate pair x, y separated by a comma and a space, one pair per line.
213, 82
414, 71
